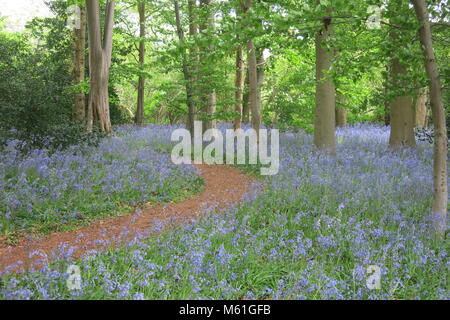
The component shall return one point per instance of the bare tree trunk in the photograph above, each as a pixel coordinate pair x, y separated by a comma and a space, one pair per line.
186, 72
420, 110
254, 102
194, 61
253, 95
239, 85
100, 62
79, 112
324, 122
341, 112
440, 129
211, 99
260, 73
246, 97
402, 112
139, 117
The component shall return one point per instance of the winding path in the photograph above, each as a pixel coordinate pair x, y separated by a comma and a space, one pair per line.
224, 187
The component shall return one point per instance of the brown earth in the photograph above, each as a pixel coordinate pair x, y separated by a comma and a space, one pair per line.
224, 187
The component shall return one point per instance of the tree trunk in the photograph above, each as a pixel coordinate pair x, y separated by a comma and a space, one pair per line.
210, 99
186, 72
440, 129
194, 61
387, 110
246, 97
239, 87
253, 94
324, 122
402, 111
100, 62
341, 112
421, 110
139, 118
260, 74
254, 102
79, 112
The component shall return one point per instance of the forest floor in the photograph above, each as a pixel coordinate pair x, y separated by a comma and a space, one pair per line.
224, 187
316, 230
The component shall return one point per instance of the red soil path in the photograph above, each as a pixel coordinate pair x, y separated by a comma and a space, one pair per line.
224, 187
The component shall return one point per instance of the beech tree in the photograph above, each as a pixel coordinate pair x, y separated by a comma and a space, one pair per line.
440, 196
99, 64
254, 97
139, 117
401, 107
186, 72
324, 120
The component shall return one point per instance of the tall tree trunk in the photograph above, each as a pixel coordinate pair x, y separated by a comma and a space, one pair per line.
139, 117
245, 99
239, 87
253, 95
210, 99
100, 62
420, 108
260, 73
402, 111
341, 112
186, 71
324, 121
79, 112
440, 129
193, 63
254, 101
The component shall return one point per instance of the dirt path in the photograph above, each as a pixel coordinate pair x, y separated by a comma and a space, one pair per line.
225, 187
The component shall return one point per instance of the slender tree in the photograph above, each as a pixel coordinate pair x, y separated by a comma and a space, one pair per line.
210, 99
193, 63
99, 64
79, 112
324, 121
254, 102
139, 117
440, 199
186, 71
239, 87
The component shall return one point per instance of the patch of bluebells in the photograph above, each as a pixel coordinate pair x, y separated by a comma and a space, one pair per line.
310, 233
82, 182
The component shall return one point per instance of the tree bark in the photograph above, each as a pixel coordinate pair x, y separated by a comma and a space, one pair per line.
194, 61
139, 117
341, 112
402, 111
253, 95
186, 72
254, 102
79, 112
420, 109
440, 198
324, 121
246, 96
99, 63
209, 98
239, 87
260, 73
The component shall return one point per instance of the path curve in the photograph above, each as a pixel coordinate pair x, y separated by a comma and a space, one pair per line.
224, 187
